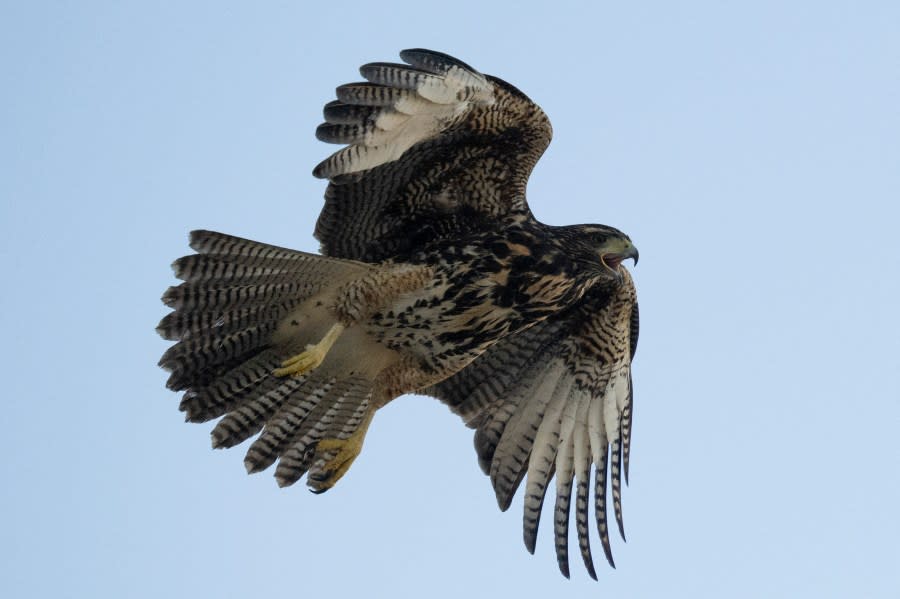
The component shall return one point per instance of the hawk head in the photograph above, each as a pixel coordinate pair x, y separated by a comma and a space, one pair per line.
600, 248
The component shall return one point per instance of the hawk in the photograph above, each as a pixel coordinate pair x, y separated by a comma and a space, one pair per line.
435, 278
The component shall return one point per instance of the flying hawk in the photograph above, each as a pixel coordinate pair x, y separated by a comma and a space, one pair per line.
435, 279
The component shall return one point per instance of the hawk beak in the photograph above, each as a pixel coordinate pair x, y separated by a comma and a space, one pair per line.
632, 253
615, 251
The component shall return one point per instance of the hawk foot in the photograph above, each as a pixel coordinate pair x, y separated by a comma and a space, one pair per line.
311, 358
342, 452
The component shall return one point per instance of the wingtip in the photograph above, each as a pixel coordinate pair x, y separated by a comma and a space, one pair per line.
586, 555
504, 498
588, 562
319, 172
607, 551
621, 527
422, 57
530, 539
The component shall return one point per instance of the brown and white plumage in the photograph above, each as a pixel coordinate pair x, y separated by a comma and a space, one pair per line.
436, 279
467, 173
521, 394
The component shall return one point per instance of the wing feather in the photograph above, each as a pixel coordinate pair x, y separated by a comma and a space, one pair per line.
600, 511
542, 463
565, 471
435, 149
582, 464
510, 459
573, 412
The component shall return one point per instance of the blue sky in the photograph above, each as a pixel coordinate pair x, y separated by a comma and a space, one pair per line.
751, 150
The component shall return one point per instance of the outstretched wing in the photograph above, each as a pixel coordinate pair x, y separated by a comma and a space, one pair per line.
436, 150
556, 398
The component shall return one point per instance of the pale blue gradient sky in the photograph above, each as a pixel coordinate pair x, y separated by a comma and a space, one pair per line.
751, 150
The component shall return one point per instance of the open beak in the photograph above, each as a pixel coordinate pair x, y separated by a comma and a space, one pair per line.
617, 251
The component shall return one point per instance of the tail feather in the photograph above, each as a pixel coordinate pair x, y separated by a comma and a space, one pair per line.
351, 409
246, 292
228, 390
346, 420
295, 462
182, 325
194, 356
246, 251
212, 268
200, 268
290, 422
255, 409
218, 251
324, 408
235, 295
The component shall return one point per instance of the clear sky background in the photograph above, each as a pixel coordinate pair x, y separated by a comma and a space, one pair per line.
751, 150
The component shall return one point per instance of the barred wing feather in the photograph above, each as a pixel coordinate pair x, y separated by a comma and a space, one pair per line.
551, 401
435, 149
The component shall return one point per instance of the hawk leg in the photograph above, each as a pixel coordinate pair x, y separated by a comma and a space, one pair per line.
313, 356
342, 452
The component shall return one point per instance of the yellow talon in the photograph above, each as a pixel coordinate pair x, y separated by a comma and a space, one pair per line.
325, 476
313, 356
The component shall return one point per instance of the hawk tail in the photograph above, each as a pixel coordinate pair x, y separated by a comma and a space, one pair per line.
235, 294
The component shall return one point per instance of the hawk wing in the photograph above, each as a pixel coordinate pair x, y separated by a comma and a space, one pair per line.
557, 398
436, 150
